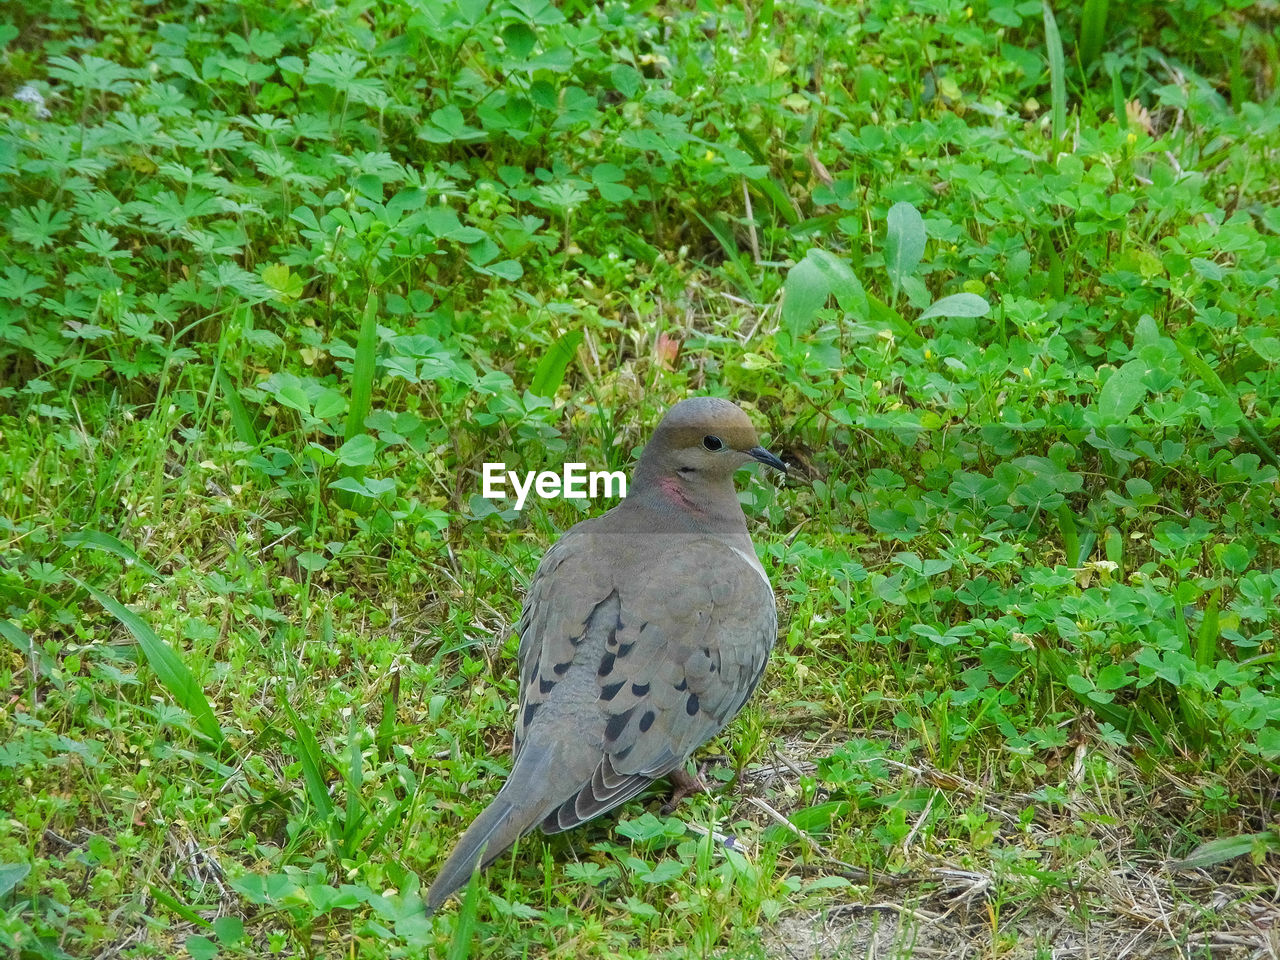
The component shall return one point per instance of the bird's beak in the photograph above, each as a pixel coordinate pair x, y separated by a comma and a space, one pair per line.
767, 458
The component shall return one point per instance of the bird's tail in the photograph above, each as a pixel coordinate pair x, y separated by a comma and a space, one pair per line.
511, 815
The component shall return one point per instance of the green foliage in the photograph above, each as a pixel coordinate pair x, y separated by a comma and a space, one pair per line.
276, 281
167, 666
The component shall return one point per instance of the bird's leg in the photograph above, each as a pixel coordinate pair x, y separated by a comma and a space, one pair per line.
683, 785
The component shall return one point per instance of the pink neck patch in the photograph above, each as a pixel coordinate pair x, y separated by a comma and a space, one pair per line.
674, 492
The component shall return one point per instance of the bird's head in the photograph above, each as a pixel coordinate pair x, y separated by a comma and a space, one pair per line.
703, 440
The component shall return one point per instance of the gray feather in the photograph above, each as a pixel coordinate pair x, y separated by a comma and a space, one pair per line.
512, 814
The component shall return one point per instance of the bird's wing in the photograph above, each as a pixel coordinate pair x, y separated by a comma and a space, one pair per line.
640, 661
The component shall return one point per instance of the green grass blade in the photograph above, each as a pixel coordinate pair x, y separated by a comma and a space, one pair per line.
1117, 101
549, 374
177, 906
741, 275
97, 540
38, 661
363, 369
1222, 849
808, 820
1210, 629
312, 761
1093, 30
394, 817
1189, 699
387, 723
767, 184
779, 199
891, 319
1113, 549
241, 422
355, 781
1211, 379
1239, 74
1070, 535
1057, 75
166, 664
464, 932
1119, 717
1088, 540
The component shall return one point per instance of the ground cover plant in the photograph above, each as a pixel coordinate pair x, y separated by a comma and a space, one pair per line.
998, 278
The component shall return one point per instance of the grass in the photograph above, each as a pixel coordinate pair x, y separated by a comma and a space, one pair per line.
999, 280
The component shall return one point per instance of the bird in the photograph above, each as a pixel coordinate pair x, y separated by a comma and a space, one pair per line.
643, 632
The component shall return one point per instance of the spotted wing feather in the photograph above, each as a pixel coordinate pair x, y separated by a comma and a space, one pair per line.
554, 623
667, 674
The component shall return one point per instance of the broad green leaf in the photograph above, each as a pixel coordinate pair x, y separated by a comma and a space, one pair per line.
329, 404
358, 451
17, 636
957, 305
292, 395
274, 888
627, 80
1209, 269
351, 485
1122, 392
472, 11
1268, 348
648, 828
325, 897
519, 40
804, 293
287, 285
663, 872
904, 244
12, 874
607, 173
449, 126
311, 561
504, 269
1235, 557
228, 929
841, 281
379, 487
442, 222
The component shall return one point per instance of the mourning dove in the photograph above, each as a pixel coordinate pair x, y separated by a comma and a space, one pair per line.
644, 632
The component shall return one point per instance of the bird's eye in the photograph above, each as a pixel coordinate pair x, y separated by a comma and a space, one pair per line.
712, 443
